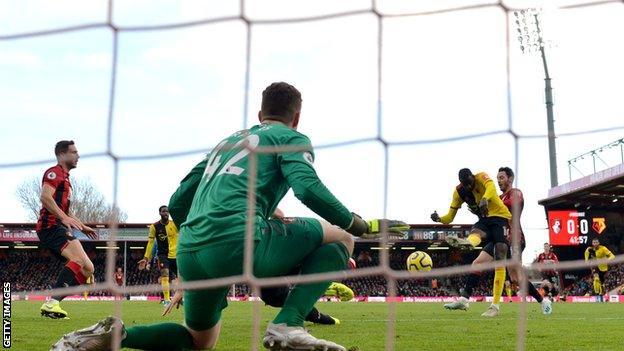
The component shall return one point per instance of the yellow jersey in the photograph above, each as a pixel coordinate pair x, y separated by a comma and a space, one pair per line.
483, 188
600, 252
166, 236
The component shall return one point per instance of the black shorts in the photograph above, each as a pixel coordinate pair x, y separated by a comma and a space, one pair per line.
494, 228
55, 239
169, 263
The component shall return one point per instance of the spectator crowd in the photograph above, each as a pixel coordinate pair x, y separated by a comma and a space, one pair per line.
30, 270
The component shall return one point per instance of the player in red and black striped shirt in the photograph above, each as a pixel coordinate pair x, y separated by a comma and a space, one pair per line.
550, 278
55, 225
514, 200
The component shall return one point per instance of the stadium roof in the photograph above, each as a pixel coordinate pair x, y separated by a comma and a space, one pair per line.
602, 190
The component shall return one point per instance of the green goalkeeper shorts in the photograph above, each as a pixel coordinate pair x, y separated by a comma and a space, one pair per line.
282, 247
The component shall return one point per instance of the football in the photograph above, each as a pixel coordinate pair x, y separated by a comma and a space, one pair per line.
419, 261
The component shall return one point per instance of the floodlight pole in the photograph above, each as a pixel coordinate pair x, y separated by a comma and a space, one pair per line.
550, 118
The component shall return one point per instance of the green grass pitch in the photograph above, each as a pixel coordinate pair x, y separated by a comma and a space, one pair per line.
419, 326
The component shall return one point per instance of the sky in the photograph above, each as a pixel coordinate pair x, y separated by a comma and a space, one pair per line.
443, 78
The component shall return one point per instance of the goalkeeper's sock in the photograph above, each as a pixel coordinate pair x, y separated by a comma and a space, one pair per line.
475, 239
301, 300
162, 336
499, 281
164, 281
533, 292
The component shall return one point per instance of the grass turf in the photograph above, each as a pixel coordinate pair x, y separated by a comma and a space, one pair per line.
419, 326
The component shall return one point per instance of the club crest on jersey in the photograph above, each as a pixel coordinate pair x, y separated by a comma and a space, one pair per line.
308, 157
51, 175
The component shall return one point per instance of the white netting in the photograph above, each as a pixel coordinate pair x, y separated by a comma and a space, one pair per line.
415, 91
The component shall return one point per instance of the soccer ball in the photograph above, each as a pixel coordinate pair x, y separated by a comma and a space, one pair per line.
419, 261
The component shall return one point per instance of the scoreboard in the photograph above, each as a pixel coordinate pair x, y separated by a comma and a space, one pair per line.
429, 235
572, 227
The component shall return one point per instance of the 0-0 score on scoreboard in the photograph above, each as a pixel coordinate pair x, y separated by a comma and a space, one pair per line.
570, 227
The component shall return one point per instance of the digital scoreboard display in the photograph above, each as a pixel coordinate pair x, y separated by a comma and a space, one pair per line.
572, 227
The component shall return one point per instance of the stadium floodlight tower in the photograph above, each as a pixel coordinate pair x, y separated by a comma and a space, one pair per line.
532, 40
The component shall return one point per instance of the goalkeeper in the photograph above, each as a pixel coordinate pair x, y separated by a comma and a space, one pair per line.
212, 238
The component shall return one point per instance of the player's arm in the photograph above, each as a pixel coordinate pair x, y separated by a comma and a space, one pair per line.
47, 199
608, 254
90, 232
456, 204
297, 168
148, 250
516, 200
490, 193
587, 254
181, 200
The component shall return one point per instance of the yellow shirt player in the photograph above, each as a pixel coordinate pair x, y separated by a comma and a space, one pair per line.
596, 252
165, 234
479, 193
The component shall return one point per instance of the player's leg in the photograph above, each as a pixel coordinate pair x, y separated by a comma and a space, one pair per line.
303, 239
472, 280
546, 285
496, 228
202, 308
475, 238
599, 280
77, 268
516, 274
596, 281
163, 264
276, 296
508, 289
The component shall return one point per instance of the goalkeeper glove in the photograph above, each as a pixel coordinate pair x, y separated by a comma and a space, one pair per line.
394, 226
360, 227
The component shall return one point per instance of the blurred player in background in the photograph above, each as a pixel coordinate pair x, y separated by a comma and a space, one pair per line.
596, 252
85, 294
119, 279
55, 225
213, 235
165, 233
509, 288
479, 193
514, 201
550, 277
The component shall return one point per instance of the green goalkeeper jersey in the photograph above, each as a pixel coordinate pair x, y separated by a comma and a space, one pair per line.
211, 201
